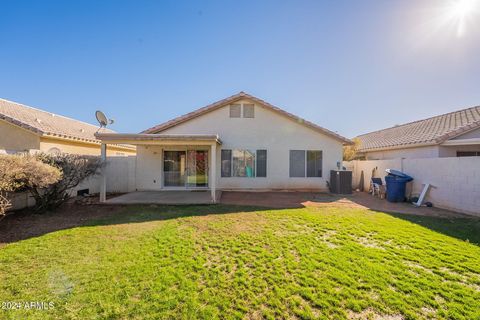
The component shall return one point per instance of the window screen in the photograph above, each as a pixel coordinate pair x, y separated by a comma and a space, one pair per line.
314, 163
261, 163
297, 163
235, 110
248, 111
226, 163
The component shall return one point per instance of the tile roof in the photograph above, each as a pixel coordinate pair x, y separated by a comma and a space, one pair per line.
242, 95
429, 131
46, 123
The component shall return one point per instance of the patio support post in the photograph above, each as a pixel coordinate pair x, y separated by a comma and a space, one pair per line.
213, 172
103, 180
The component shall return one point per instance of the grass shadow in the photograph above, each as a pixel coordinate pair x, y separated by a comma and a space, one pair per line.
466, 229
146, 213
24, 225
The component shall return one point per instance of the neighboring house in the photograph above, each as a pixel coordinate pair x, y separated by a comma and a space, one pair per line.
454, 134
27, 129
238, 143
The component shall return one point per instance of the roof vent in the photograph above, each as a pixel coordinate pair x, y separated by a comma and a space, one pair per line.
38, 120
82, 130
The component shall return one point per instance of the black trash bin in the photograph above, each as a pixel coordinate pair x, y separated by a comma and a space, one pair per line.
396, 184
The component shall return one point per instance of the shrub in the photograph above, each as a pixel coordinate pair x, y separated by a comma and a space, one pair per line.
23, 172
74, 168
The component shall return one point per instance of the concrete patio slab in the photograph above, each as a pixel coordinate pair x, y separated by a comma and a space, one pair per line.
183, 197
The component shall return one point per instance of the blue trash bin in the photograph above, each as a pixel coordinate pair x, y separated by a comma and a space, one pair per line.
396, 184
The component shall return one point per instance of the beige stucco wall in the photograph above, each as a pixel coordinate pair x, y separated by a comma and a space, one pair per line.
437, 151
421, 152
80, 148
451, 151
455, 181
14, 138
149, 166
268, 130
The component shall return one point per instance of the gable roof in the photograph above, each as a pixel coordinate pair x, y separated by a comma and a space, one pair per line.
430, 131
45, 123
242, 95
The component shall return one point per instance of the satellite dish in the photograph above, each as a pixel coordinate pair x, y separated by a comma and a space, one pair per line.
102, 119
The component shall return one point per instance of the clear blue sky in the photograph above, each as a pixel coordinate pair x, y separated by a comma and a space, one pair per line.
351, 66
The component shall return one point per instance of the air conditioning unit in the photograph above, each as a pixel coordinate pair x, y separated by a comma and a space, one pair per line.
341, 181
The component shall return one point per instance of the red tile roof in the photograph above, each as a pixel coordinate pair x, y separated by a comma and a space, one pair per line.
429, 131
242, 95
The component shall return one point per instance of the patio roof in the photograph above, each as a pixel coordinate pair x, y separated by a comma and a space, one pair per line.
133, 138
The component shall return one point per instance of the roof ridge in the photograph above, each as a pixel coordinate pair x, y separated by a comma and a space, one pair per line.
47, 112
425, 119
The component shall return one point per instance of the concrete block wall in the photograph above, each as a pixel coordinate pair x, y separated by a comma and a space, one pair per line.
455, 181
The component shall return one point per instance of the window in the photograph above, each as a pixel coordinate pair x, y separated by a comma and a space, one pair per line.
468, 154
226, 163
297, 163
235, 110
305, 163
314, 163
261, 163
243, 163
248, 111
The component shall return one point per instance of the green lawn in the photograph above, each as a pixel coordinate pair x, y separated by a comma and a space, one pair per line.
239, 262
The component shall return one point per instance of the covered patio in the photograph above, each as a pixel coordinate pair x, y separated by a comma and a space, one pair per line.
169, 168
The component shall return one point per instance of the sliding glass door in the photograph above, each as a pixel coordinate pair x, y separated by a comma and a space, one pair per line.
185, 168
197, 168
174, 163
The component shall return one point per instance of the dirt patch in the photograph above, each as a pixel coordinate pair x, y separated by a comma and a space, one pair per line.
249, 222
416, 267
24, 224
429, 312
373, 315
327, 238
368, 241
303, 304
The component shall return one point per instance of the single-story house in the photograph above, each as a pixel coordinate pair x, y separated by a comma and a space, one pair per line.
238, 143
454, 134
24, 129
